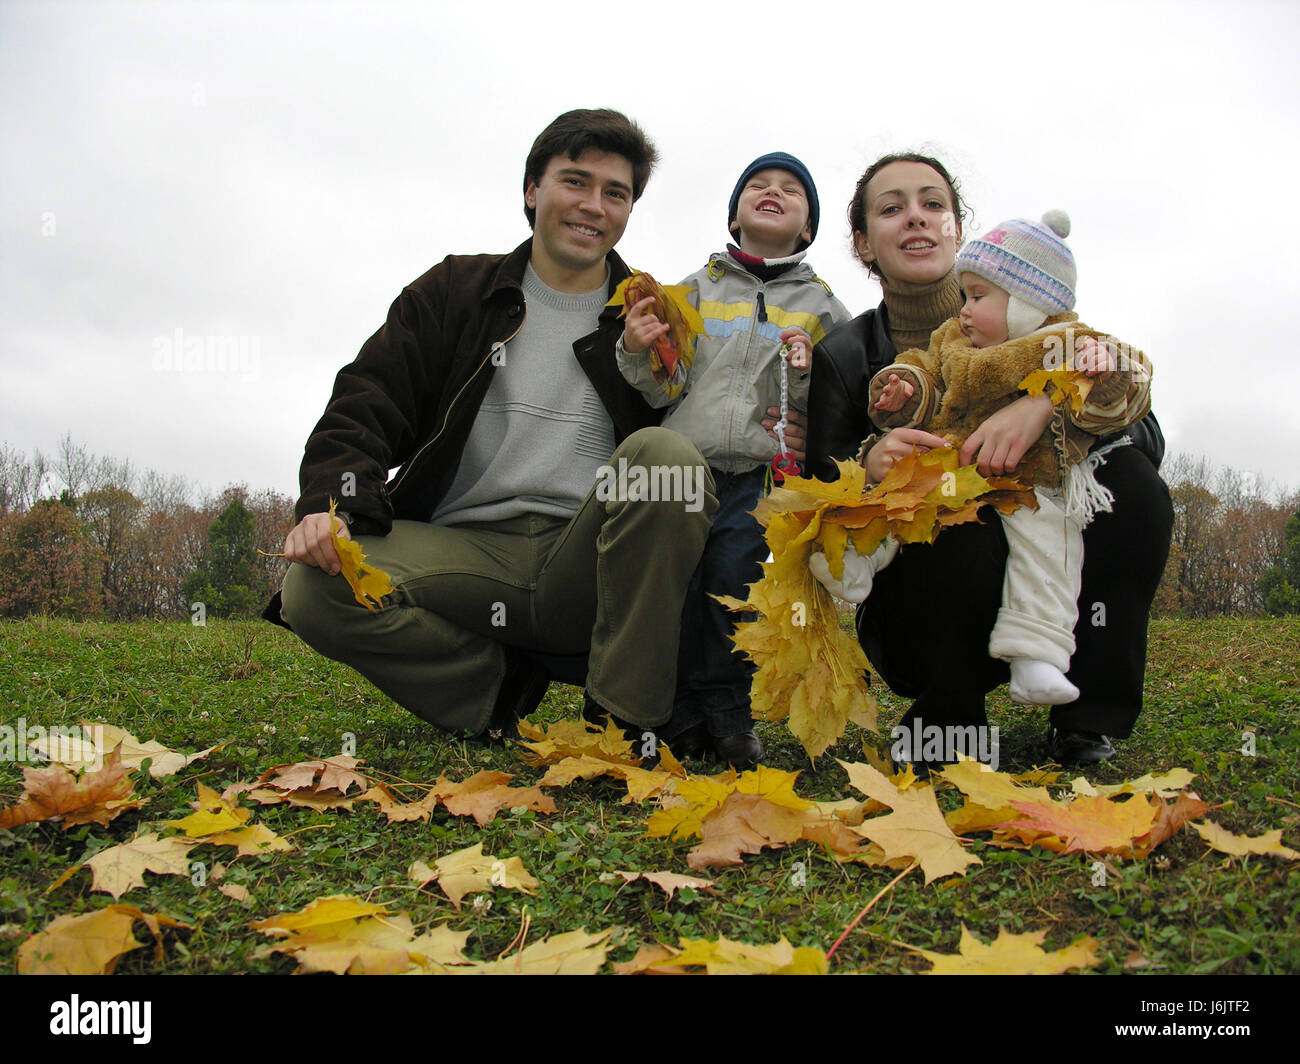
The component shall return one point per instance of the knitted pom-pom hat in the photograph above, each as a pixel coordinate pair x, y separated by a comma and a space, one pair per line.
778, 160
1028, 259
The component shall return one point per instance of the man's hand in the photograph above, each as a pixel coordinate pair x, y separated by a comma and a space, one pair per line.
895, 394
642, 328
895, 446
796, 430
310, 543
800, 345
1002, 440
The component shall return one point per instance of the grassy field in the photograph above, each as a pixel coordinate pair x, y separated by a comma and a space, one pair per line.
1185, 909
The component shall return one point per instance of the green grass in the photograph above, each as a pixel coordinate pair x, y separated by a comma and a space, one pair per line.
272, 700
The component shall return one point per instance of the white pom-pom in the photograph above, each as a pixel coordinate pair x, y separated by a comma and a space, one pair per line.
1058, 222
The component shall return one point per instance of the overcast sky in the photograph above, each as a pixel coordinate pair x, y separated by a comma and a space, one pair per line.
270, 175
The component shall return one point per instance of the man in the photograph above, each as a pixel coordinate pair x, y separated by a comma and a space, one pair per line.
493, 387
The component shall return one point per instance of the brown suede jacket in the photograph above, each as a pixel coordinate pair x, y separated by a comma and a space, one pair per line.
957, 387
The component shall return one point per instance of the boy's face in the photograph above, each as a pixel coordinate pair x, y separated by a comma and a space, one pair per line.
582, 208
983, 316
772, 214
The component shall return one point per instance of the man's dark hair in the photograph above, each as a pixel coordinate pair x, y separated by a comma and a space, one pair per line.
577, 131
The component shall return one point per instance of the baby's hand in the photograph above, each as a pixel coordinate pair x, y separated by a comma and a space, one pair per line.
895, 394
1096, 360
800, 345
642, 328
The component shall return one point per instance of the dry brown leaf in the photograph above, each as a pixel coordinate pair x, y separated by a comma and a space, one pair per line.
78, 755
55, 793
725, 957
570, 953
396, 810
469, 870
668, 882
1091, 825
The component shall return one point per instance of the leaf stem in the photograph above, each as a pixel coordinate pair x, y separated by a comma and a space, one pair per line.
867, 908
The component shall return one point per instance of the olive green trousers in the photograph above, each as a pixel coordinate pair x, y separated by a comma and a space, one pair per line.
608, 582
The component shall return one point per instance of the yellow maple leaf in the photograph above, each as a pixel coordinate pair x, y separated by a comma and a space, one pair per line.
668, 882
726, 957
369, 585
121, 868
1071, 383
214, 814
1270, 843
341, 934
1166, 785
1010, 954
90, 944
77, 754
570, 953
915, 829
1092, 825
470, 870
989, 796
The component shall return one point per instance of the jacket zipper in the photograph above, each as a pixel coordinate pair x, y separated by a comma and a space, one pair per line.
450, 406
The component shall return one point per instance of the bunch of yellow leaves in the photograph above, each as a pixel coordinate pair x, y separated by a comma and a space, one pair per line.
670, 355
808, 668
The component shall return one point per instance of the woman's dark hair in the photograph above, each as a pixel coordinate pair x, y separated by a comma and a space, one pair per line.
858, 205
577, 131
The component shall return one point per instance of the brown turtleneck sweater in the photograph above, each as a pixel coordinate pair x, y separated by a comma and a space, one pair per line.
916, 310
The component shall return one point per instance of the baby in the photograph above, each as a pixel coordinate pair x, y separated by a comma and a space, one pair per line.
1018, 280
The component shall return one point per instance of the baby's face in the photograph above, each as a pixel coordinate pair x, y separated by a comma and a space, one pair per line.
983, 316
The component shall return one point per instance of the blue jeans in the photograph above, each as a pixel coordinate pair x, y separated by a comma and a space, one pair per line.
712, 679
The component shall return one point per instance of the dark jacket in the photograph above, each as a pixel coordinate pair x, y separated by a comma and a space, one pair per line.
838, 411
412, 394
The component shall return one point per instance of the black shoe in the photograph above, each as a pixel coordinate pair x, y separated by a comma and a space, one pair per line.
522, 690
693, 742
1079, 747
742, 751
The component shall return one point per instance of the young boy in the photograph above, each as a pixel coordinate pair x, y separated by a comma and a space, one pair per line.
1018, 280
754, 299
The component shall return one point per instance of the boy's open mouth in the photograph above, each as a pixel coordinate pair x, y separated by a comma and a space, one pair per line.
769, 206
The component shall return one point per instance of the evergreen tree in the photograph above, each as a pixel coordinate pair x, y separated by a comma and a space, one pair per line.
1280, 584
225, 581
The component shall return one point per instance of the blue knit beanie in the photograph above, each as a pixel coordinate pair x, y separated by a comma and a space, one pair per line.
778, 160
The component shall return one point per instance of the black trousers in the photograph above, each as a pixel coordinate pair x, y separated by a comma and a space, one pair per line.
925, 627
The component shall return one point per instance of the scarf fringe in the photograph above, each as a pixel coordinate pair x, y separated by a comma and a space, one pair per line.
1085, 496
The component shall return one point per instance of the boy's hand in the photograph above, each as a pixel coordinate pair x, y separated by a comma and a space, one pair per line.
800, 345
1096, 360
895, 394
642, 328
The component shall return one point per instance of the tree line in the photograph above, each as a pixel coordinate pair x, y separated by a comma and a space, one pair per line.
92, 537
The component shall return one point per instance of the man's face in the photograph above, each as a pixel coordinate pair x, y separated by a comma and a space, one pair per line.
582, 209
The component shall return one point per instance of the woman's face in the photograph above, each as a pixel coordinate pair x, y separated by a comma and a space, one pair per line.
912, 229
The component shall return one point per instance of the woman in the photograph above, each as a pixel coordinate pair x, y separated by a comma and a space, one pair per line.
926, 624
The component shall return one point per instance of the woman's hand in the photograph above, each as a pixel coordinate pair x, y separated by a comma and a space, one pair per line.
895, 446
1002, 440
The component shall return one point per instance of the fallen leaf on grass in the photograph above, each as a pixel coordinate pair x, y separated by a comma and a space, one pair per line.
725, 957
1166, 785
915, 829
341, 934
90, 944
394, 808
1270, 843
1085, 825
569, 953
320, 785
485, 792
77, 754
1010, 954
701, 795
1171, 817
470, 870
989, 796
91, 798
121, 868
668, 882
218, 821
